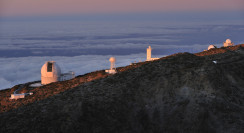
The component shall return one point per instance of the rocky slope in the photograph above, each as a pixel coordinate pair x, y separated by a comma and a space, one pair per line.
46, 91
179, 93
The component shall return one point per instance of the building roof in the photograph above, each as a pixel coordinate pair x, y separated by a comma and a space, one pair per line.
50, 67
228, 41
211, 46
112, 59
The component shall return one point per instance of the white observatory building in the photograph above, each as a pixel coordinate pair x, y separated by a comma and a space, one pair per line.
112, 69
149, 54
51, 72
211, 46
228, 43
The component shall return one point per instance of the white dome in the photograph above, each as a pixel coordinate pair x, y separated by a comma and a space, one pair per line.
50, 72
228, 41
211, 46
112, 59
53, 68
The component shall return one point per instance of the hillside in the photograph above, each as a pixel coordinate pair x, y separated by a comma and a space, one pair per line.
46, 91
178, 93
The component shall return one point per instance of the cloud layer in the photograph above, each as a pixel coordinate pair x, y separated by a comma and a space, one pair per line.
25, 69
73, 38
86, 46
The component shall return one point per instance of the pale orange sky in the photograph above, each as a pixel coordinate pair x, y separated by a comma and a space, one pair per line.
63, 7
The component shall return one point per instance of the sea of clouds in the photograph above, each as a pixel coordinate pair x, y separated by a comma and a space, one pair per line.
74, 38
83, 46
25, 69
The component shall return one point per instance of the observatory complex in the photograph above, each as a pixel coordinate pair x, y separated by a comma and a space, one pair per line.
228, 43
112, 69
51, 72
149, 54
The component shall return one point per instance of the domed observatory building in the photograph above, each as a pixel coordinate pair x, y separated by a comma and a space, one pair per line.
228, 43
51, 72
211, 46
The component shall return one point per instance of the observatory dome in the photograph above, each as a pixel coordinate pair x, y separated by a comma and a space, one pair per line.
228, 41
50, 72
211, 46
112, 59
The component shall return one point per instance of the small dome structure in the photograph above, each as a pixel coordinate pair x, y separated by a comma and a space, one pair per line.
228, 43
50, 72
211, 46
112, 69
112, 59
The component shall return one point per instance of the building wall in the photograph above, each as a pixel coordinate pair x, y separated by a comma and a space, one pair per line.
149, 53
111, 71
56, 78
67, 76
17, 96
48, 80
228, 44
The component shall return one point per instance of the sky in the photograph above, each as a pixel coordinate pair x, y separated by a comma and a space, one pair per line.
66, 7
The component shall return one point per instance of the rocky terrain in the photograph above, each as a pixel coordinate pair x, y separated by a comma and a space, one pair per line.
43, 92
184, 93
